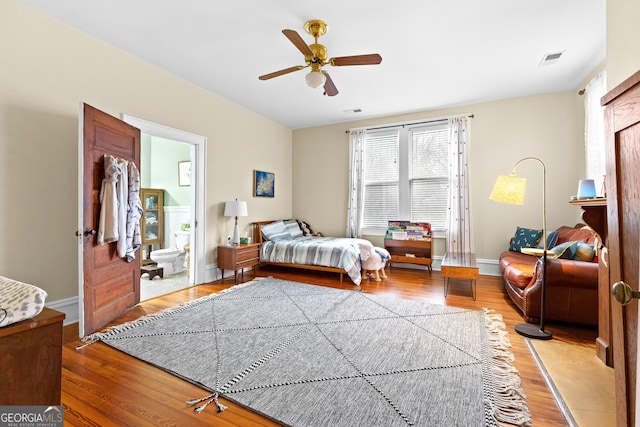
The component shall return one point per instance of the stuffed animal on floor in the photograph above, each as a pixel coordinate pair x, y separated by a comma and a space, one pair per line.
374, 260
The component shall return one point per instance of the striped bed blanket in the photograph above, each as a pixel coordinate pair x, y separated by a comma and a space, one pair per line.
337, 252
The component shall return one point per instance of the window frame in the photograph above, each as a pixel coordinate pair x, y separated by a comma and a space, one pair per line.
404, 183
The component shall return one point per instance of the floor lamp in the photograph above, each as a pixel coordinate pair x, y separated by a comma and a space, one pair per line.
510, 189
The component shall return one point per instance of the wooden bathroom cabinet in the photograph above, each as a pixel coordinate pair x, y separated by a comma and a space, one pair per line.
152, 221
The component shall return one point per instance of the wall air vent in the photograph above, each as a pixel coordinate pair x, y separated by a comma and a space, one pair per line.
551, 58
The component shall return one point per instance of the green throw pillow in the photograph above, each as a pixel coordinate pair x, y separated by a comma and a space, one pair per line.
525, 238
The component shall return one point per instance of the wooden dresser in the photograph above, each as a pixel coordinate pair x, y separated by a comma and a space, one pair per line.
31, 360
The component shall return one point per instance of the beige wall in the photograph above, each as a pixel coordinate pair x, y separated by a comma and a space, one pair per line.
546, 126
623, 39
48, 68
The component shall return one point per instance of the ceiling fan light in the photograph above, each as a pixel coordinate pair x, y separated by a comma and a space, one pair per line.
315, 79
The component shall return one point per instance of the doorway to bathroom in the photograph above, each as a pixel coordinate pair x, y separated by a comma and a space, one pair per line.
173, 161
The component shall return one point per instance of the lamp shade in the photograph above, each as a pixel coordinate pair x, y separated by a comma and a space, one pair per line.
235, 208
586, 189
509, 189
315, 79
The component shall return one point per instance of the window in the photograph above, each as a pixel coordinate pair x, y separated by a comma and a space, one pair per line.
594, 130
406, 175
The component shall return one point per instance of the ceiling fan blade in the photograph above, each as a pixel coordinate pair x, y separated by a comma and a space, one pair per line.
281, 72
295, 38
371, 59
330, 88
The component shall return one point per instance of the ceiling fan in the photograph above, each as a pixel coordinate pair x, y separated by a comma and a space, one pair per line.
315, 56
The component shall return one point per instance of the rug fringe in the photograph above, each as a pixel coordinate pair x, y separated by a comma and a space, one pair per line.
508, 404
212, 398
113, 330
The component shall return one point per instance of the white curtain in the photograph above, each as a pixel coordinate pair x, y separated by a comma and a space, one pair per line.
594, 130
355, 204
459, 238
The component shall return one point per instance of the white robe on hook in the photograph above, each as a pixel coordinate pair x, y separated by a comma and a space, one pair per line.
108, 225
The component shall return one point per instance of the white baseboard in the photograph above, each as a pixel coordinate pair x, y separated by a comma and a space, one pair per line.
488, 267
69, 306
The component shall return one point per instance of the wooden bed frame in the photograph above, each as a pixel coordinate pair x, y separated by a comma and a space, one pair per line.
257, 238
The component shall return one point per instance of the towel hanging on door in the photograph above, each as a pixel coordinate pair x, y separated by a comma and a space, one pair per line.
134, 213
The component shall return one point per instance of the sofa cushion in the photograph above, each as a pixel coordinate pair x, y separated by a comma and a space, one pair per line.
517, 268
552, 240
566, 250
584, 252
570, 234
525, 238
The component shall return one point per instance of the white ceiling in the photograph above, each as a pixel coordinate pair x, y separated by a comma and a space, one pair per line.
435, 53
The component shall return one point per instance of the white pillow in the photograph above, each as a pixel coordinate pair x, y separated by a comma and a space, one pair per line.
20, 300
293, 228
275, 231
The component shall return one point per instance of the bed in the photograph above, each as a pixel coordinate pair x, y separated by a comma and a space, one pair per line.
284, 243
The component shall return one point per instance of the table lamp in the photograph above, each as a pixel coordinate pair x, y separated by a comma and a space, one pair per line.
236, 209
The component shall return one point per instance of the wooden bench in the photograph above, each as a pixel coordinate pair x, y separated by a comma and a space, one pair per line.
153, 270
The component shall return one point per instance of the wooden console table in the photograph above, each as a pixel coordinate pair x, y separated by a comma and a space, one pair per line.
31, 360
595, 216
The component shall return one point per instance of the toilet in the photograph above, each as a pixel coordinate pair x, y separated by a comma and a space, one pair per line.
172, 260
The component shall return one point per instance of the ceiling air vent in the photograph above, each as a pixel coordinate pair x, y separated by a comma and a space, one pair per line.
551, 58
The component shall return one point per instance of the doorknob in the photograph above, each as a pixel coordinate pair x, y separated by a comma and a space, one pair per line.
623, 293
87, 232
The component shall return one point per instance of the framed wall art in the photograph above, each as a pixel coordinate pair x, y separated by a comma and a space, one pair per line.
184, 174
264, 184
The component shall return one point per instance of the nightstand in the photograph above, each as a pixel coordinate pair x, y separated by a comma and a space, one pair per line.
238, 257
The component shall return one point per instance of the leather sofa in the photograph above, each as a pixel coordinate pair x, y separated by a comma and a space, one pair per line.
571, 292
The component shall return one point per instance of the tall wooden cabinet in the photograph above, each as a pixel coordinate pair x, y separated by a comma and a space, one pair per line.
152, 221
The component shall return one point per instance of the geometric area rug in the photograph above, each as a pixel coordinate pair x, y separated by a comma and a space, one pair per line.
307, 355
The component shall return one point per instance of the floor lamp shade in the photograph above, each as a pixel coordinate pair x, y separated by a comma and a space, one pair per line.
510, 189
235, 208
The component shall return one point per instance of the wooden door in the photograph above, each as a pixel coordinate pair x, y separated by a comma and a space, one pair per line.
108, 285
622, 133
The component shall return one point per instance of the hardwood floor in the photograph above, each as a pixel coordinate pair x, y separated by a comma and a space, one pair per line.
102, 386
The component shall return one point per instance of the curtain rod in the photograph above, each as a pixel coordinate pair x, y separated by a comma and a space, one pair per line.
471, 116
